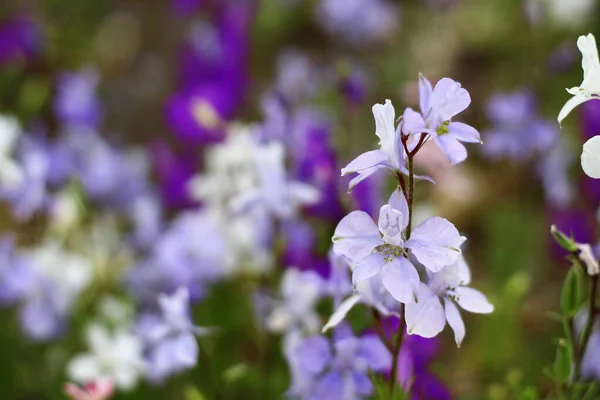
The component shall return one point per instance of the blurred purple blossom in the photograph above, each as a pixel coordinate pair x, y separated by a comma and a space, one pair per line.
325, 371
517, 132
16, 273
20, 39
358, 21
75, 102
174, 170
170, 336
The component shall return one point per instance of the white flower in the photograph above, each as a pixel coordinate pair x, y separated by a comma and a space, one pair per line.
11, 173
117, 357
590, 87
590, 157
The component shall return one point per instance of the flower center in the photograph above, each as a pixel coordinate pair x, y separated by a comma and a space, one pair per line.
443, 128
390, 251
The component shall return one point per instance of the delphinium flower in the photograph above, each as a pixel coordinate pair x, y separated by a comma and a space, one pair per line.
95, 390
590, 369
358, 21
213, 75
60, 277
517, 132
115, 355
590, 87
427, 317
16, 273
174, 170
20, 39
295, 311
75, 102
190, 253
169, 336
274, 193
381, 252
337, 370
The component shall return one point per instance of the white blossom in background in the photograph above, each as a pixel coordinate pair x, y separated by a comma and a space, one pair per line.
10, 171
116, 356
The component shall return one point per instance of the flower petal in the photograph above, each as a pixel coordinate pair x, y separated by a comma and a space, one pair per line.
366, 160
390, 224
425, 318
435, 243
448, 99
340, 313
374, 353
589, 51
464, 133
571, 104
364, 174
313, 353
368, 267
473, 300
424, 94
454, 150
356, 236
385, 117
455, 321
401, 279
590, 157
412, 122
398, 202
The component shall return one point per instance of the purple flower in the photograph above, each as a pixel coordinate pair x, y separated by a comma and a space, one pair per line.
20, 39
358, 21
275, 194
517, 132
76, 102
174, 170
438, 106
16, 273
170, 336
325, 372
186, 6
314, 161
381, 250
198, 115
427, 317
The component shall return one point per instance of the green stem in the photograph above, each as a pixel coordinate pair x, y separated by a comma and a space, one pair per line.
587, 330
410, 194
395, 355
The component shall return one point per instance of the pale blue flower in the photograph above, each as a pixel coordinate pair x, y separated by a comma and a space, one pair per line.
381, 250
428, 316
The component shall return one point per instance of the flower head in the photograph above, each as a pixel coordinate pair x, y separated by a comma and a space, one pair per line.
383, 250
427, 317
590, 87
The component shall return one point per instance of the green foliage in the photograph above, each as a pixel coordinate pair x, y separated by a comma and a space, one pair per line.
564, 241
573, 294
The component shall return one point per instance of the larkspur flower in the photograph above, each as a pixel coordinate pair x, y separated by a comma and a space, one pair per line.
438, 106
391, 154
326, 372
428, 316
16, 273
20, 39
170, 336
76, 102
113, 355
517, 132
590, 87
300, 291
381, 251
276, 194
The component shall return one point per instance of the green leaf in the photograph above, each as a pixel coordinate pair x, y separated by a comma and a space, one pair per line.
564, 241
192, 393
562, 362
529, 393
573, 292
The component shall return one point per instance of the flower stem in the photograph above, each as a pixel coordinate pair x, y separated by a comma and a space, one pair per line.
587, 330
395, 354
410, 194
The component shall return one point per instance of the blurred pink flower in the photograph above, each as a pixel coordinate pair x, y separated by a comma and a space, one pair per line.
95, 390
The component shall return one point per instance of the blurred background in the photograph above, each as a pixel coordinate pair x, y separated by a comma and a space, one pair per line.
120, 104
